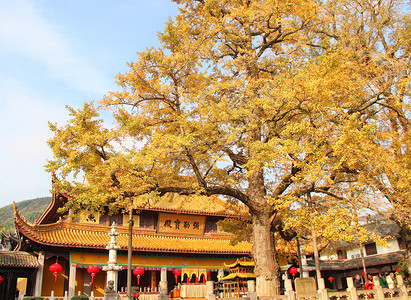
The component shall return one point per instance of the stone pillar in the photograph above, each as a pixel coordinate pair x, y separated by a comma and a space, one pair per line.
112, 268
252, 295
321, 289
304, 267
351, 289
378, 288
289, 292
72, 280
210, 290
39, 275
163, 286
401, 286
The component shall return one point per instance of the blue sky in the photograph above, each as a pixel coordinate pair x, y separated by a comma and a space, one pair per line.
58, 53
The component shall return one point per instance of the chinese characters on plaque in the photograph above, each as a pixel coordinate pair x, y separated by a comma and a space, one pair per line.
181, 223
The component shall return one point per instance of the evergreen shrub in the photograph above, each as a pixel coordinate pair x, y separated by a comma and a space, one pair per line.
80, 297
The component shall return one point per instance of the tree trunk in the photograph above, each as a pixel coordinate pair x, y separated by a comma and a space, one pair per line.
266, 266
363, 262
316, 255
300, 259
406, 237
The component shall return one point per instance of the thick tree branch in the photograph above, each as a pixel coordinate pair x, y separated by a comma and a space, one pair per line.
208, 191
286, 182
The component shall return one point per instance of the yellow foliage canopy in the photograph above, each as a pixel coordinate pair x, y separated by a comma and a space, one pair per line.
258, 101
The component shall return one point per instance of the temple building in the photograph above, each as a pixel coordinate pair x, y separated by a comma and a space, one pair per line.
172, 232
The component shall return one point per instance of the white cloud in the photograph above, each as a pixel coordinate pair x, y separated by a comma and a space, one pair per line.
24, 30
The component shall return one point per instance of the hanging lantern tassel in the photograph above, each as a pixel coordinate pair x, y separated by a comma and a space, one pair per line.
331, 279
176, 273
93, 270
55, 268
293, 271
138, 272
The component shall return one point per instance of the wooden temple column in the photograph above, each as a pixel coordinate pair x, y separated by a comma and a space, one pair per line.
87, 286
72, 280
39, 275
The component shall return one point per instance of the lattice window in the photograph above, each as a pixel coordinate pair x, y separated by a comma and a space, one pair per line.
370, 249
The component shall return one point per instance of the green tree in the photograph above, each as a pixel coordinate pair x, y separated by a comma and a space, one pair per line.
249, 100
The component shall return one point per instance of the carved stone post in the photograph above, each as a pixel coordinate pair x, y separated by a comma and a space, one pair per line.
378, 288
163, 285
289, 289
351, 289
401, 286
304, 266
251, 290
210, 290
321, 289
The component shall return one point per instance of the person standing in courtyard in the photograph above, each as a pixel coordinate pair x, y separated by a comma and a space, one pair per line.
359, 282
369, 284
383, 281
391, 280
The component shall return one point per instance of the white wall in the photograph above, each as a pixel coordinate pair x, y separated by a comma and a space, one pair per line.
392, 246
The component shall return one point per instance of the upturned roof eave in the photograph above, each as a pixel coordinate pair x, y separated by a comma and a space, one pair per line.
61, 228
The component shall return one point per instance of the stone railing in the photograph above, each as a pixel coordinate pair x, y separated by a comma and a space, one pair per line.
401, 292
65, 297
351, 293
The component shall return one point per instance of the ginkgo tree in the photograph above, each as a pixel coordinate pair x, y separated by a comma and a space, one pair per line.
379, 158
249, 100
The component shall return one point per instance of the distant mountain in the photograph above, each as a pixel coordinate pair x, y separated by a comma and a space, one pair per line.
31, 209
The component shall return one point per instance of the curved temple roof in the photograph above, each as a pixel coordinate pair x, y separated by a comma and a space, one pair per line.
18, 259
232, 276
74, 235
239, 262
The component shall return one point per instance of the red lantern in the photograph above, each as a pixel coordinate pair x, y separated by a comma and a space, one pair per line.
331, 279
176, 273
138, 272
93, 270
55, 268
1, 279
293, 271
